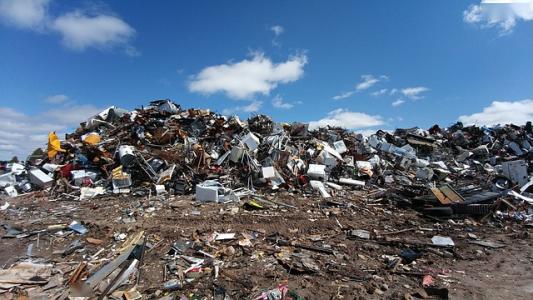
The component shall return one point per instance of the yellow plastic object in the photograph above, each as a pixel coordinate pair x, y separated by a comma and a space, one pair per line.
54, 145
92, 138
117, 173
254, 205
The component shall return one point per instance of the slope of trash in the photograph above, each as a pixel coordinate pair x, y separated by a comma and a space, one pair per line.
170, 203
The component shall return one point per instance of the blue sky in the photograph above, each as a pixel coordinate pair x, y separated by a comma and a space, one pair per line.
393, 63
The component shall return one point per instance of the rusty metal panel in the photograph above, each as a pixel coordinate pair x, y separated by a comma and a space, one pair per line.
440, 196
451, 194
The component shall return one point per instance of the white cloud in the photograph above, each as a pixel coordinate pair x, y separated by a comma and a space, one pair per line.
80, 31
473, 14
278, 102
379, 93
367, 82
24, 14
343, 95
255, 106
244, 79
132, 51
395, 119
502, 112
70, 115
367, 132
57, 99
347, 119
414, 92
503, 14
20, 134
277, 29
398, 102
393, 92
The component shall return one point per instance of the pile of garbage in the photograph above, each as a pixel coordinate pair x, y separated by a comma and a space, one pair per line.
164, 149
110, 206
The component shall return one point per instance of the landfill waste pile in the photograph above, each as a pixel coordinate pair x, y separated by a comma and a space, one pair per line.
169, 203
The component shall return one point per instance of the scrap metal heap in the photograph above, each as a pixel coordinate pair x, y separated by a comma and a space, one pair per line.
163, 150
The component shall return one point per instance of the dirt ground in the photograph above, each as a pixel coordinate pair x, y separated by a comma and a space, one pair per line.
356, 268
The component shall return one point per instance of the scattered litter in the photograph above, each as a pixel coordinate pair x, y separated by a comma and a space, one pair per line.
488, 244
362, 234
442, 241
77, 227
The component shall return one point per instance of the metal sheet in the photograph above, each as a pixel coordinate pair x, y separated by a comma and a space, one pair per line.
451, 194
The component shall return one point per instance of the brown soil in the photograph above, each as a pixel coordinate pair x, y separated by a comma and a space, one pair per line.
356, 270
